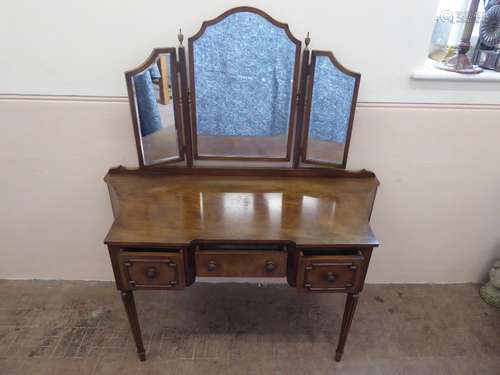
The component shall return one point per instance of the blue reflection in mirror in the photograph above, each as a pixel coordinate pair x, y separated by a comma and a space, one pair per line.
147, 106
243, 69
156, 118
331, 102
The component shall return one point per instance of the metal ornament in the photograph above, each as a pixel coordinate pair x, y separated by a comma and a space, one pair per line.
490, 292
180, 37
489, 32
490, 27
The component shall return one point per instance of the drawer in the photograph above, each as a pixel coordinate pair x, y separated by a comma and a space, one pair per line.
335, 271
152, 270
241, 263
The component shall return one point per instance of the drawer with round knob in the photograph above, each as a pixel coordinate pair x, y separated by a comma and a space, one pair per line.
152, 270
241, 263
330, 272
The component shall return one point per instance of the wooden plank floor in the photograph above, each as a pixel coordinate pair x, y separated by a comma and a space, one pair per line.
80, 328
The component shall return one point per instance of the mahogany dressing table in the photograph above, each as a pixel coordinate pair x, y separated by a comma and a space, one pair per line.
242, 160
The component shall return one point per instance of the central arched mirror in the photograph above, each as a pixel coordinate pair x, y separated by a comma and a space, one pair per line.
243, 74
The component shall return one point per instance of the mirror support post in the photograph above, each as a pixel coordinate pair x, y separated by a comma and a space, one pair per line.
301, 98
186, 117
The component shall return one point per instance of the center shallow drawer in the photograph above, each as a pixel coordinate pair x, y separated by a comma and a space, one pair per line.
241, 263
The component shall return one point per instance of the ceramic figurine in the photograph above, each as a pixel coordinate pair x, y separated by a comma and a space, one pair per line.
490, 292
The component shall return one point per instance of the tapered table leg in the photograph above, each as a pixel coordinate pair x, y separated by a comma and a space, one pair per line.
128, 301
350, 307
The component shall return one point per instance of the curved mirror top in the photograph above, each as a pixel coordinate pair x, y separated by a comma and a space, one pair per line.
244, 67
155, 106
332, 99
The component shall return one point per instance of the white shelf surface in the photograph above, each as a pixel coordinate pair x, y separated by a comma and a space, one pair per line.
428, 72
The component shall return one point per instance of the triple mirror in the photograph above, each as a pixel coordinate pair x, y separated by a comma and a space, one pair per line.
241, 98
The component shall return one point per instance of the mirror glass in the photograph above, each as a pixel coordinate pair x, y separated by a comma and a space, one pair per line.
155, 100
330, 111
243, 74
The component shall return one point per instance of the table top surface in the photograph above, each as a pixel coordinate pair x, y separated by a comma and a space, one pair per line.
175, 210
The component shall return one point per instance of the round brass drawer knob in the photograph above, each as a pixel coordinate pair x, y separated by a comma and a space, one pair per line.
270, 266
330, 277
151, 272
212, 266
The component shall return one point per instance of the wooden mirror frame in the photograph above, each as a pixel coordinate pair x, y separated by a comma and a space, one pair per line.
293, 109
177, 104
308, 104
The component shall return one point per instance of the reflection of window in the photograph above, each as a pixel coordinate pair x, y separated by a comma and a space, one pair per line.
241, 208
238, 203
274, 204
312, 205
